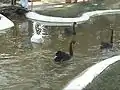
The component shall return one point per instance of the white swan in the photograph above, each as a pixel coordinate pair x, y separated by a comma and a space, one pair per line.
38, 31
89, 74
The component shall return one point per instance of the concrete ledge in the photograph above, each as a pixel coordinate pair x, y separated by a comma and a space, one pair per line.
60, 21
89, 74
5, 23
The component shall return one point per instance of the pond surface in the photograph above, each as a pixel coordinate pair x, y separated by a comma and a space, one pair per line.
25, 66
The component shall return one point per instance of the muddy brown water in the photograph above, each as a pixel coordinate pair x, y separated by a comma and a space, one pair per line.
23, 67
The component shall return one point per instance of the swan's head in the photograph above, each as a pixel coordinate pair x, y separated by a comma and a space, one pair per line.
37, 28
74, 23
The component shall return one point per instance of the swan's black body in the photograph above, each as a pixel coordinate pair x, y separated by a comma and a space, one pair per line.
107, 45
62, 56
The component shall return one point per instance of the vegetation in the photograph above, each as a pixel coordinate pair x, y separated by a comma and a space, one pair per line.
72, 10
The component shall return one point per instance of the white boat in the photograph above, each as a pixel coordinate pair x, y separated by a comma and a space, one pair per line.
5, 23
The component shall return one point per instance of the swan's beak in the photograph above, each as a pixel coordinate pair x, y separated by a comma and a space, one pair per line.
55, 57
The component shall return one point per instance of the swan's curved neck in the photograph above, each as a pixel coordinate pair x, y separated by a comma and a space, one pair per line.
111, 38
71, 49
74, 32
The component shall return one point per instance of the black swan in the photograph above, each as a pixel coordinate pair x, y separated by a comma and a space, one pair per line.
62, 56
68, 31
74, 32
107, 45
